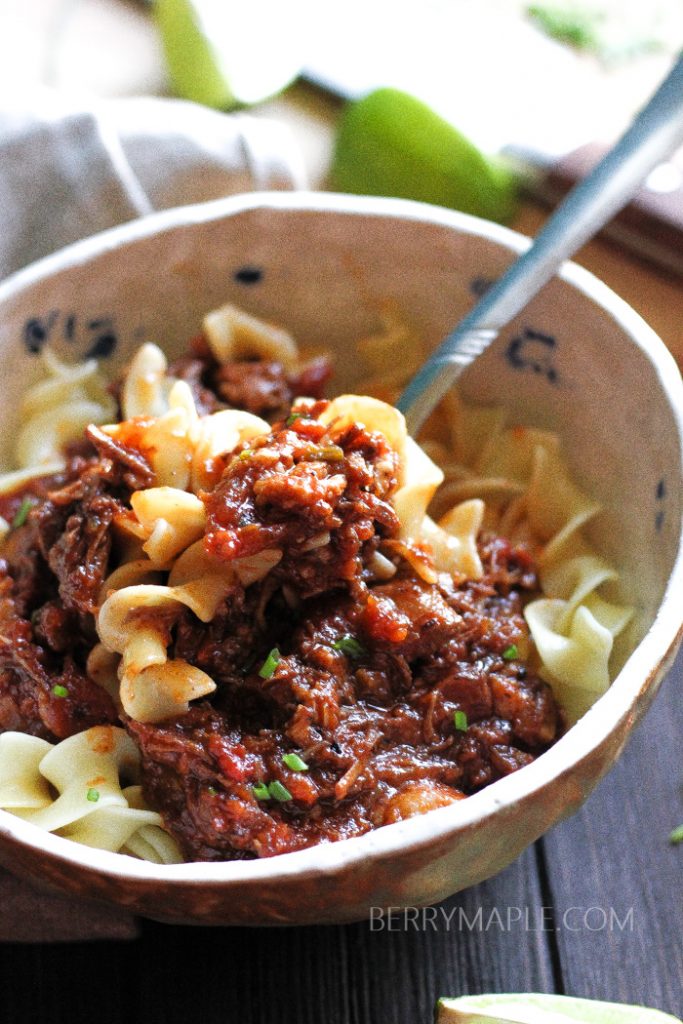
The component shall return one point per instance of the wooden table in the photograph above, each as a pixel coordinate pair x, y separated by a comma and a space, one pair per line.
594, 909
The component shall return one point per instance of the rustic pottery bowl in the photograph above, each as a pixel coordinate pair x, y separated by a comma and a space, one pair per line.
578, 360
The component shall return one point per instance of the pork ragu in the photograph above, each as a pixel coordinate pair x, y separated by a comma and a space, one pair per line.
351, 693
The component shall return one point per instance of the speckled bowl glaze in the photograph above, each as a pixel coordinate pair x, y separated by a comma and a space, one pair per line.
578, 360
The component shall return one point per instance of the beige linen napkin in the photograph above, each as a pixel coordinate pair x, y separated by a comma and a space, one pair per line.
66, 173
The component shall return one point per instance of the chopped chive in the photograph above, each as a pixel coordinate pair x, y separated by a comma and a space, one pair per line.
213, 791
93, 795
350, 646
260, 791
332, 453
60, 691
279, 792
267, 670
292, 418
676, 836
22, 513
296, 763
243, 456
325, 453
511, 652
460, 720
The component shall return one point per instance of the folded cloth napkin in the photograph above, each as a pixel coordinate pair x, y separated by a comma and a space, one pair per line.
66, 173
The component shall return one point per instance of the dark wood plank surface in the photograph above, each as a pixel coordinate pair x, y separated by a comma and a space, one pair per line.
614, 856
498, 936
336, 975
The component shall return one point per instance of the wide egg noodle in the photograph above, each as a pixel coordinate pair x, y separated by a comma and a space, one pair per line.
215, 435
146, 385
166, 440
109, 828
475, 431
22, 786
149, 842
172, 520
57, 409
575, 660
73, 788
554, 502
202, 580
574, 579
135, 623
373, 414
458, 530
234, 334
378, 351
421, 478
89, 762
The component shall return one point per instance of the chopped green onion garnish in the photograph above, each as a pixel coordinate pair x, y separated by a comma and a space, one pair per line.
243, 456
267, 670
279, 792
260, 791
511, 652
60, 691
93, 795
292, 418
22, 513
213, 791
350, 646
332, 453
460, 719
296, 763
676, 836
325, 453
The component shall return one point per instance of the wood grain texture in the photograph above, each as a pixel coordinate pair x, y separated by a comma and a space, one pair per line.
615, 855
303, 975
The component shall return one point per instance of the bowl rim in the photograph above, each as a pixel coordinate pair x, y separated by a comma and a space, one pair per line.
647, 663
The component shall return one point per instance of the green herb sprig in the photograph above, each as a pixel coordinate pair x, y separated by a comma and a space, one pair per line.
267, 670
294, 762
350, 646
22, 512
460, 721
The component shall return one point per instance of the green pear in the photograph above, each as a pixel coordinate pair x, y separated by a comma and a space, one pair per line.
226, 54
391, 144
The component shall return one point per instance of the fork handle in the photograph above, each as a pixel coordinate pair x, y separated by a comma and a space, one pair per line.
655, 133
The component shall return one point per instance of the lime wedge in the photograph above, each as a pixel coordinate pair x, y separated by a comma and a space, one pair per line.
543, 1009
391, 144
227, 54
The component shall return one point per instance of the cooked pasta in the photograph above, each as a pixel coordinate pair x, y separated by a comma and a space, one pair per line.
74, 789
528, 495
270, 603
57, 410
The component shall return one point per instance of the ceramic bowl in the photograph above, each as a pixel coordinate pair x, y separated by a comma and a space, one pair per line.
578, 360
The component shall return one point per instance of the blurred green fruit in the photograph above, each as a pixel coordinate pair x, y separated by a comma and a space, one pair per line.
391, 144
226, 54
538, 1009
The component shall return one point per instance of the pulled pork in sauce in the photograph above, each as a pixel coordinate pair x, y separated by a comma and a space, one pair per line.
350, 692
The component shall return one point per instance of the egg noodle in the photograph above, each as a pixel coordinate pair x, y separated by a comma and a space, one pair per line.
472, 472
